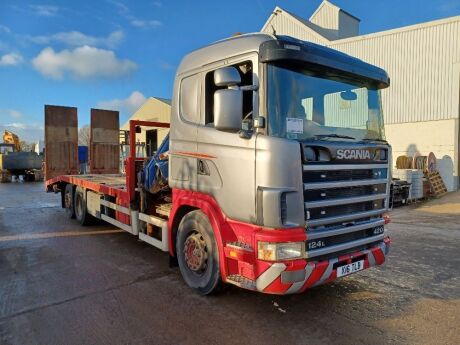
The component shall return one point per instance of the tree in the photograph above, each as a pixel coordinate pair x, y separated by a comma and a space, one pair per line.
25, 146
83, 135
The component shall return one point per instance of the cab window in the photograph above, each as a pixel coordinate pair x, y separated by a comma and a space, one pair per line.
189, 100
246, 74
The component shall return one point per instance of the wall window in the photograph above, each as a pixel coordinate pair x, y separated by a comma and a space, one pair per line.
188, 99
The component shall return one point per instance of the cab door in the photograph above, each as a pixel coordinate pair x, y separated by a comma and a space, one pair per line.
226, 167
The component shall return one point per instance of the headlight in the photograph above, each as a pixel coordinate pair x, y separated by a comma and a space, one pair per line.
280, 251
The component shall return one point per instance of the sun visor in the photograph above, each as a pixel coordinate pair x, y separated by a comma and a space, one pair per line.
296, 53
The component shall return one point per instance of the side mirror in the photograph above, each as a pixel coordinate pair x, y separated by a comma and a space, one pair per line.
227, 76
228, 109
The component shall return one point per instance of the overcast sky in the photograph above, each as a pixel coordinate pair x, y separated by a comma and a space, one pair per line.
113, 53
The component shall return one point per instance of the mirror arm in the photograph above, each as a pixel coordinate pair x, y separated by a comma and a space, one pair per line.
249, 87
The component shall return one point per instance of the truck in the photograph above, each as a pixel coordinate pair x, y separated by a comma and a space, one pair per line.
274, 177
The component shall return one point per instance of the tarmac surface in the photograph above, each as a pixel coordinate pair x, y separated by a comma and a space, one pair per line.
65, 284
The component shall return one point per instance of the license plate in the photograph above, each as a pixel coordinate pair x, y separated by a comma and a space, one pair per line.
350, 268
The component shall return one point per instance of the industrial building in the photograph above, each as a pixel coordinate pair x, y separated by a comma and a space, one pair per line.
421, 106
153, 109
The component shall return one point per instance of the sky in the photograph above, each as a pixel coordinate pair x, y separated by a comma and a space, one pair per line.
113, 54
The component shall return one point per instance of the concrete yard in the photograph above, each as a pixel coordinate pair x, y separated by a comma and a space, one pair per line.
65, 284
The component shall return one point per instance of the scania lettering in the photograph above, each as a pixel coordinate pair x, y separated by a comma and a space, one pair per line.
274, 175
353, 154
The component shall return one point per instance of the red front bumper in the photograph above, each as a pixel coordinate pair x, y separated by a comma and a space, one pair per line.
296, 276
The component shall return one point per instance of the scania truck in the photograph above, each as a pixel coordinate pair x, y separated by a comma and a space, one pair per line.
274, 176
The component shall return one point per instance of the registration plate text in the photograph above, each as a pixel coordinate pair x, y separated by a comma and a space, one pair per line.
350, 268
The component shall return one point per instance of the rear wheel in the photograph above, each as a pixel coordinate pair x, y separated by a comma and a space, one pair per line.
68, 201
81, 214
197, 253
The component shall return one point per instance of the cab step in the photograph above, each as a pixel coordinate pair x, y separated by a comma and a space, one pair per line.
242, 282
160, 223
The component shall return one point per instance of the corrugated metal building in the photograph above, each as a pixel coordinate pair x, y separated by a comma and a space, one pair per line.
153, 109
422, 105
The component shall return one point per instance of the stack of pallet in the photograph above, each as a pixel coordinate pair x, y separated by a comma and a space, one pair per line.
415, 178
5, 176
437, 184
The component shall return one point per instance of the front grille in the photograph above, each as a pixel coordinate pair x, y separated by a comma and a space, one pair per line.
344, 175
343, 207
345, 252
352, 236
334, 193
331, 211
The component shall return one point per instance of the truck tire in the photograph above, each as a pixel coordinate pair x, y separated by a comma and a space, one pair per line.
197, 253
69, 201
81, 214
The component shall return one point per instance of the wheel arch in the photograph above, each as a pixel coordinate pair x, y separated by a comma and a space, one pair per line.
191, 201
179, 214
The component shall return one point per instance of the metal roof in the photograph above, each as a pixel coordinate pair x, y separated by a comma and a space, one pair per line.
164, 100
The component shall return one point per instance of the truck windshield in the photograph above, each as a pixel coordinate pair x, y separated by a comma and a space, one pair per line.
305, 106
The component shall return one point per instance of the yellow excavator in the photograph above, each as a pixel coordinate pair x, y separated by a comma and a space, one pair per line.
11, 138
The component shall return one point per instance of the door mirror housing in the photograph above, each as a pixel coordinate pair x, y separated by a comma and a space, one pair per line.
227, 76
228, 109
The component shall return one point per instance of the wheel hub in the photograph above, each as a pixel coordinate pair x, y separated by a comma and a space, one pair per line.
195, 252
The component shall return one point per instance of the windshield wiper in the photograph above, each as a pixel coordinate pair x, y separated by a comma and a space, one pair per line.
376, 139
333, 136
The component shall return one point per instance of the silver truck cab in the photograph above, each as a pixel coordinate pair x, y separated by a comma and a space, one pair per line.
284, 134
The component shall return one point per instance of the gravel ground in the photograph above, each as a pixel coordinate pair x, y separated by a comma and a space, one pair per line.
64, 284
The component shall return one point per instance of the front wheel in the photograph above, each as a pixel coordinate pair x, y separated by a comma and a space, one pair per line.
197, 253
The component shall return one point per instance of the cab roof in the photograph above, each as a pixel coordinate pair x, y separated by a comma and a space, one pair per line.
314, 53
223, 49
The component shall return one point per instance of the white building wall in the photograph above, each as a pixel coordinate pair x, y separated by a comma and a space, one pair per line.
429, 136
327, 17
152, 110
420, 64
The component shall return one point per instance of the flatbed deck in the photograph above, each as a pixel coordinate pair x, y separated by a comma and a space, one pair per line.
110, 184
109, 196
111, 180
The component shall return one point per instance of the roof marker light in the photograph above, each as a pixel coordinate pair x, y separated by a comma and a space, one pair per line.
291, 46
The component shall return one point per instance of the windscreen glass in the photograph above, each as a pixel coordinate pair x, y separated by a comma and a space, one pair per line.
303, 105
